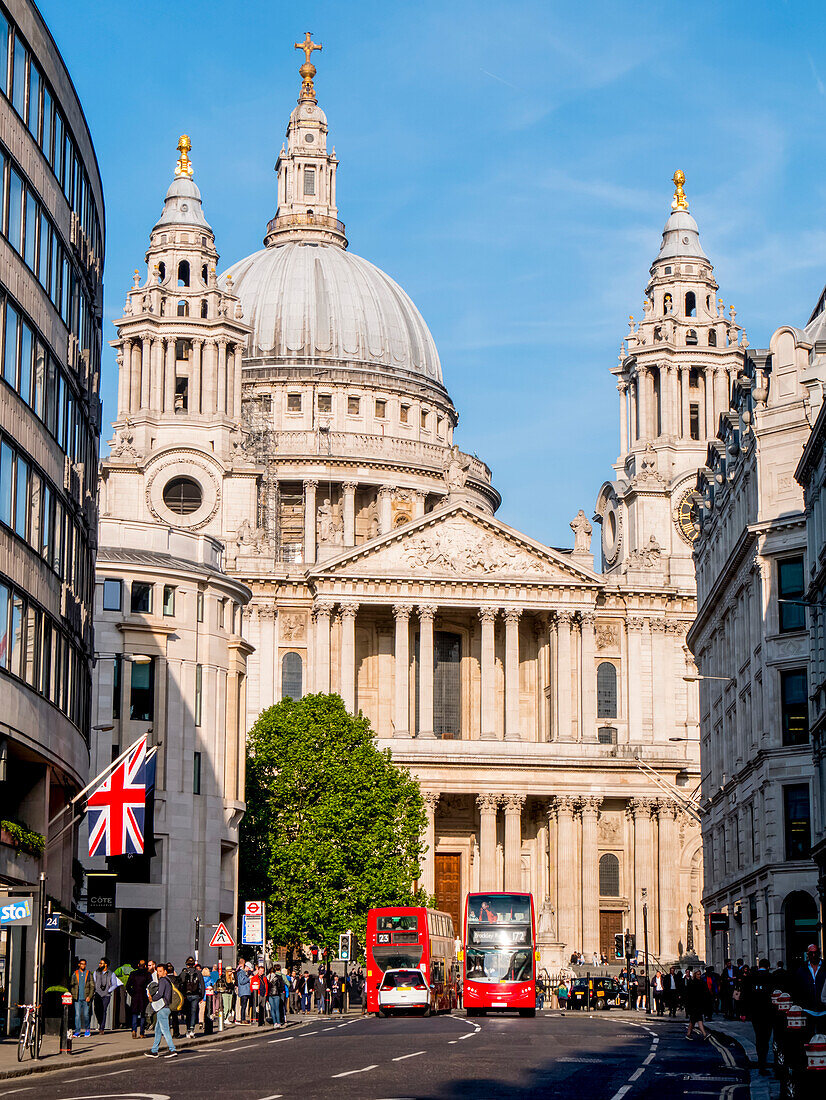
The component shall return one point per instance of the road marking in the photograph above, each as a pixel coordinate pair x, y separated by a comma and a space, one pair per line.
618, 1095
275, 1096
724, 1053
333, 1028
635, 1076
26, 1088
350, 1072
469, 1035
286, 1039
229, 1050
402, 1057
452, 1042
306, 1033
647, 1061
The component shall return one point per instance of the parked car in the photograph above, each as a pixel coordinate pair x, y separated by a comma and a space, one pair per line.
604, 993
404, 990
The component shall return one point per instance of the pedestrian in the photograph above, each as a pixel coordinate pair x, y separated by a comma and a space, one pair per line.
728, 982
595, 959
697, 999
336, 994
562, 993
757, 1001
320, 990
177, 1001
192, 987
208, 1004
83, 989
220, 995
136, 985
150, 1011
307, 982
673, 983
229, 995
258, 989
633, 990
275, 995
809, 980
161, 992
242, 986
659, 992
105, 985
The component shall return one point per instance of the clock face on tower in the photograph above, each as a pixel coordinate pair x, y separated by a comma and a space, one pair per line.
687, 523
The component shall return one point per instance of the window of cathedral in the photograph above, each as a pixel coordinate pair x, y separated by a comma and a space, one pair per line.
293, 402
424, 419
181, 394
440, 427
381, 408
694, 378
606, 735
161, 271
609, 876
606, 690
690, 304
668, 271
183, 496
404, 414
309, 181
205, 275
694, 421
691, 336
712, 338
292, 676
325, 402
183, 273
353, 406
183, 309
182, 349
204, 307
196, 771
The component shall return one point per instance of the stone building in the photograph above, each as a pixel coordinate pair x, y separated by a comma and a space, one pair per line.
51, 260
811, 475
752, 650
540, 701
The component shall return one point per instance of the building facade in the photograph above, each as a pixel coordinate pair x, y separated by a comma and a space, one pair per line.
303, 421
51, 260
811, 475
751, 644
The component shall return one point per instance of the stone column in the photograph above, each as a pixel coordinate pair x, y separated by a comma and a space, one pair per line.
488, 805
156, 375
487, 727
236, 390
512, 723
230, 377
635, 628
385, 509
666, 376
349, 510
634, 410
431, 801
567, 887
590, 875
209, 372
222, 375
426, 663
348, 655
146, 344
721, 393
588, 677
622, 389
169, 379
664, 687
640, 808
402, 671
322, 612
564, 619
418, 504
685, 377
195, 377
513, 841
310, 487
669, 856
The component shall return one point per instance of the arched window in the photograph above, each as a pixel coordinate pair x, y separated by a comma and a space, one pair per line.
161, 271
292, 674
205, 275
691, 336
606, 690
309, 181
204, 307
712, 337
183, 273
609, 882
690, 304
183, 309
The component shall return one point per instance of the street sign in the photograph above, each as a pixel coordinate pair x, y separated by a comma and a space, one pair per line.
52, 923
222, 938
718, 922
252, 931
66, 998
100, 891
253, 908
16, 913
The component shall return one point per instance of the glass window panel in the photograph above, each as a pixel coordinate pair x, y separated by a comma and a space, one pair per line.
10, 346
48, 523
54, 281
609, 876
141, 603
34, 100
58, 145
45, 252
57, 538
4, 53
790, 585
38, 398
4, 619
46, 659
199, 691
61, 411
51, 397
447, 684
112, 594
46, 142
15, 216
18, 625
798, 821
18, 91
169, 599
142, 691
32, 218
21, 498
117, 685
65, 288
794, 707
68, 167
32, 645
24, 387
6, 482
606, 690
35, 509
291, 676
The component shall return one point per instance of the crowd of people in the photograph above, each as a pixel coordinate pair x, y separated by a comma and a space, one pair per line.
152, 998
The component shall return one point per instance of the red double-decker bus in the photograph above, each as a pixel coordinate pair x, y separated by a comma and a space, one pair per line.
499, 953
414, 938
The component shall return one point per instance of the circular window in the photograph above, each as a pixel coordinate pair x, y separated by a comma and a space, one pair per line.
183, 496
309, 138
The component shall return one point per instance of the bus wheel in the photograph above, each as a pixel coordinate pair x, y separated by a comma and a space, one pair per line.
382, 1015
529, 1012
427, 1010
472, 1012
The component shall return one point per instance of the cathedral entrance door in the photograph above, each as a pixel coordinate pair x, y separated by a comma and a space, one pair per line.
610, 923
449, 886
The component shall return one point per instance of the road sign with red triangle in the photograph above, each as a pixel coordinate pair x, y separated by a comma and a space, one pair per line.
222, 938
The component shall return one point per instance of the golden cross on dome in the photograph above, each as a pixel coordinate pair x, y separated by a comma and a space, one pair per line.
680, 201
308, 69
184, 165
308, 45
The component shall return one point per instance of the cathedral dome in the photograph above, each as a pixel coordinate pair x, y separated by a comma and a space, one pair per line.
316, 301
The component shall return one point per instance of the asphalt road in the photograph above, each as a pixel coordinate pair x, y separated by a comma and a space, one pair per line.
603, 1056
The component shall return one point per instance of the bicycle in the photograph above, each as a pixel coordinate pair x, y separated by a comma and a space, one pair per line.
31, 1033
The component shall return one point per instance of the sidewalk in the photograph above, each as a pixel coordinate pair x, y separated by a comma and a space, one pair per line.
115, 1045
761, 1088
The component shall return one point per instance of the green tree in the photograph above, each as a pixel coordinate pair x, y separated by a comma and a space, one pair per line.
333, 827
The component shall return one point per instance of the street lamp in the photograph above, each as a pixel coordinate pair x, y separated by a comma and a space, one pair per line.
692, 678
696, 740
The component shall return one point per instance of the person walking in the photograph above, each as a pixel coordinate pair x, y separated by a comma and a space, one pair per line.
136, 985
810, 979
307, 982
258, 989
275, 995
178, 1004
162, 1004
697, 1001
756, 1001
242, 986
659, 992
105, 985
192, 987
83, 990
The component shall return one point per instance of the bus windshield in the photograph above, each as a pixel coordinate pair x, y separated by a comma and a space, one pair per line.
492, 964
500, 909
407, 922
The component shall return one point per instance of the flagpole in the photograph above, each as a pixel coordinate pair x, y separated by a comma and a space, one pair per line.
98, 778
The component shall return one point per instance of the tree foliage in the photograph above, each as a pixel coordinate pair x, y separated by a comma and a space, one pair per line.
333, 827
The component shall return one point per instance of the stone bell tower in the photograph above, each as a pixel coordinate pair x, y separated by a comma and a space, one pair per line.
674, 376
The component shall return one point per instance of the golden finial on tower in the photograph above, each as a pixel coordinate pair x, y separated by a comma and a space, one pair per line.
680, 201
308, 69
184, 165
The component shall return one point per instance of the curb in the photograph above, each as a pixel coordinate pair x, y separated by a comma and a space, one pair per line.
760, 1087
41, 1067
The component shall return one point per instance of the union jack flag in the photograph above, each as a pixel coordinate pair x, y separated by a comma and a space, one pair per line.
117, 807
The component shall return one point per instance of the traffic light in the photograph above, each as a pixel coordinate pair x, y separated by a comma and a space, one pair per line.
619, 945
314, 953
630, 944
344, 946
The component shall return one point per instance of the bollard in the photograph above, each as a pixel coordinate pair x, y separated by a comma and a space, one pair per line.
65, 1030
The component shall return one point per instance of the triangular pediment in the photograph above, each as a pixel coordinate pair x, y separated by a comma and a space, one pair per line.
456, 543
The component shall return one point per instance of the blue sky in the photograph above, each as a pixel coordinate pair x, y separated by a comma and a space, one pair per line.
508, 163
